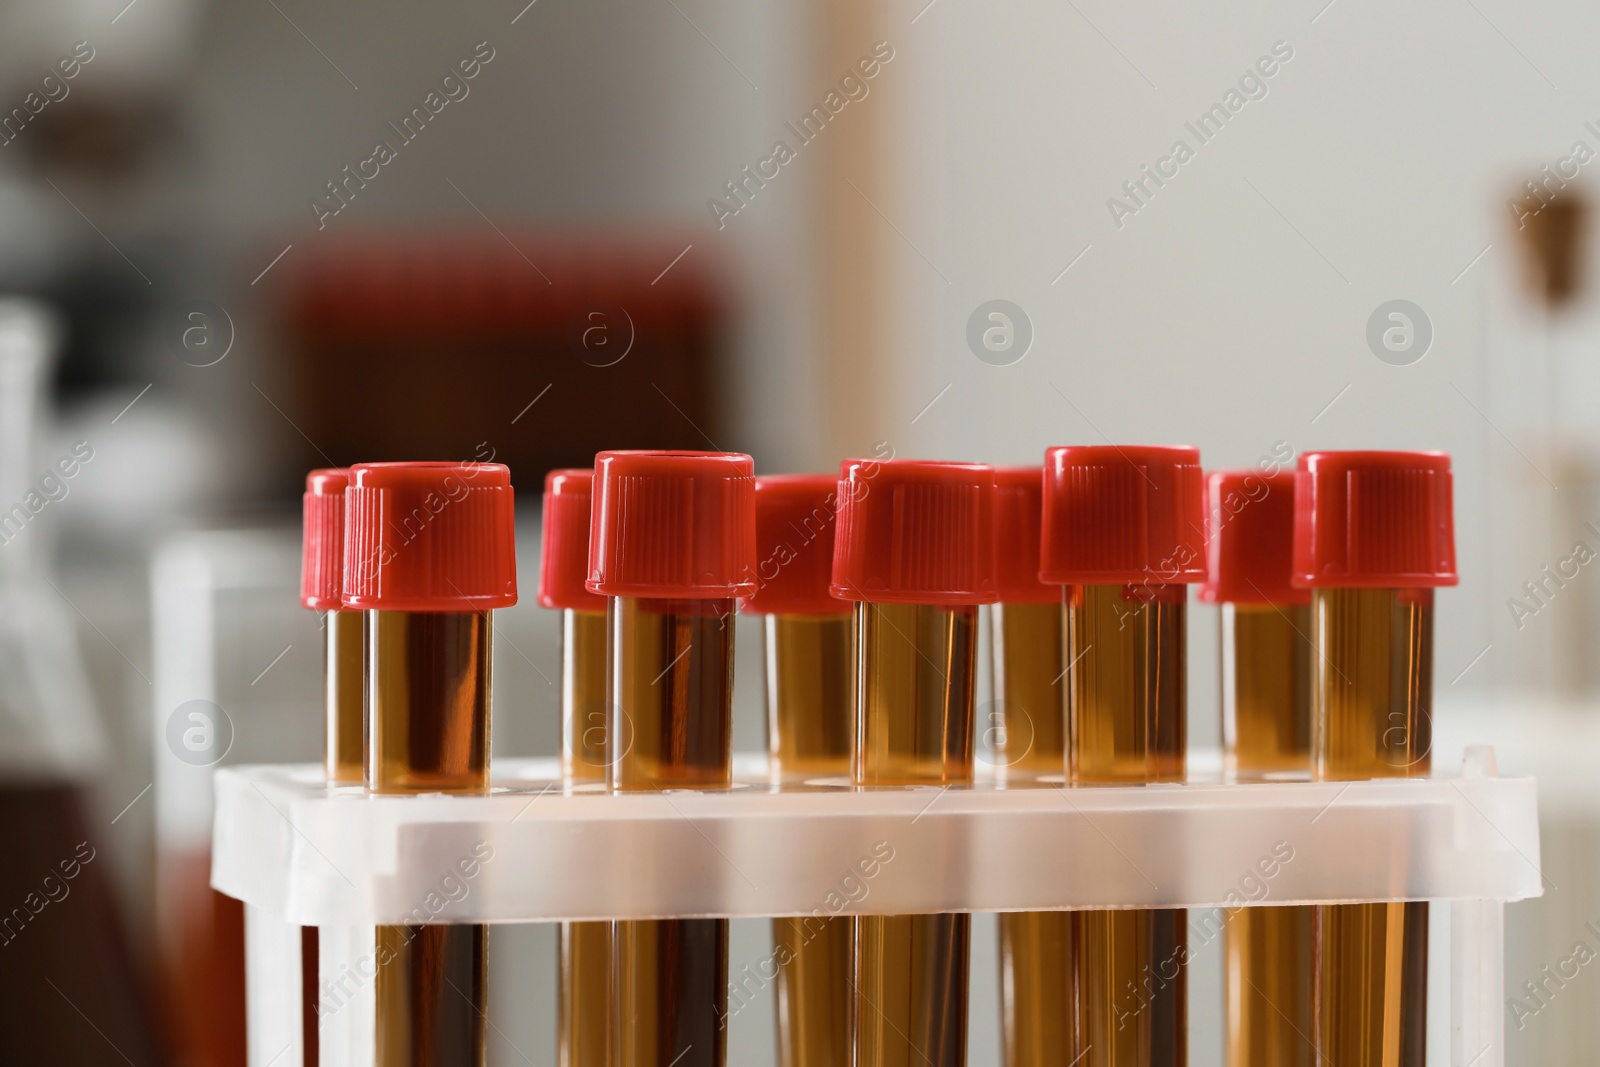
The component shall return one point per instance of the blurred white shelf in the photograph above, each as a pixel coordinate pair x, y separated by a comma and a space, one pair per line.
294, 848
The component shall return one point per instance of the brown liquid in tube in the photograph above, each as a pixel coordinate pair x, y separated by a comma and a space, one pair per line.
914, 722
810, 729
670, 695
428, 712
1267, 659
1126, 707
1373, 694
1027, 642
584, 1012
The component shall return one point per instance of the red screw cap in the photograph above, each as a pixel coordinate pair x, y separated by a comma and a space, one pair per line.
1374, 520
673, 525
564, 542
915, 532
1018, 520
795, 519
322, 539
1250, 539
430, 537
1123, 515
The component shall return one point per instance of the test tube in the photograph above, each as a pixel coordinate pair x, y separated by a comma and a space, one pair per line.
810, 725
1265, 668
1373, 538
914, 549
672, 547
429, 552
1123, 530
1024, 730
584, 991
343, 759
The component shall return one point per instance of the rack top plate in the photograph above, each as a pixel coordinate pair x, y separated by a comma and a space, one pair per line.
531, 852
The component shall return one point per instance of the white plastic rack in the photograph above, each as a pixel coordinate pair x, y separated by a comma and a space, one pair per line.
300, 853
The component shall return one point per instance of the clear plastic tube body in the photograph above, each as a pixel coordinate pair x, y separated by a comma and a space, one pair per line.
584, 981
670, 693
344, 762
428, 721
1266, 719
1126, 712
914, 726
1027, 729
1371, 718
810, 727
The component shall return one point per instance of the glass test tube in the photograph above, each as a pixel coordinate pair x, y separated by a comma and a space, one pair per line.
810, 729
672, 698
584, 1022
429, 707
343, 632
343, 655
1125, 522
1023, 734
1373, 538
585, 1038
914, 727
1374, 686
1266, 659
1126, 713
344, 759
681, 525
915, 551
429, 549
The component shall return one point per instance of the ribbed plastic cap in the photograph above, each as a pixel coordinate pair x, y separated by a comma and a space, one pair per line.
796, 515
564, 542
430, 537
1018, 520
1123, 515
1250, 539
673, 525
322, 539
915, 532
1374, 520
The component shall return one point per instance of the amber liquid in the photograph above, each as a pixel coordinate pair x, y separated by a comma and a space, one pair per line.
584, 720
914, 726
344, 744
428, 715
810, 726
584, 982
1126, 712
810, 717
1371, 718
1266, 707
670, 691
1025, 733
1026, 728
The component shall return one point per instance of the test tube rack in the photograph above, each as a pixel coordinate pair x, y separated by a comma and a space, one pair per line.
300, 853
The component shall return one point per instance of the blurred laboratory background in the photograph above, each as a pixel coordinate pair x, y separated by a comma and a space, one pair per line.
241, 240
